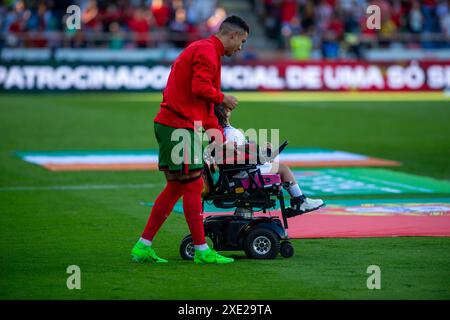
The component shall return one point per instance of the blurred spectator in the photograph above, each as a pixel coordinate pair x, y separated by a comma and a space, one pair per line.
200, 10
89, 16
271, 22
415, 18
397, 14
289, 11
39, 22
40, 18
161, 12
301, 46
140, 24
323, 15
346, 5
307, 14
290, 20
15, 24
330, 46
214, 22
430, 23
111, 15
352, 46
388, 25
117, 36
443, 12
179, 27
336, 25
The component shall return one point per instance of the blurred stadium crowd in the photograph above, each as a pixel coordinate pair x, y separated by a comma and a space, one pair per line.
297, 25
114, 24
332, 24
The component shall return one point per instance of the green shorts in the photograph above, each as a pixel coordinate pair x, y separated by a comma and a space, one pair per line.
184, 154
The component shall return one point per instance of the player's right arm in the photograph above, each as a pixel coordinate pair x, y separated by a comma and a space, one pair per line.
204, 68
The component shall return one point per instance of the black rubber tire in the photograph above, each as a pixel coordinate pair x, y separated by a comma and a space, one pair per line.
286, 249
186, 251
265, 235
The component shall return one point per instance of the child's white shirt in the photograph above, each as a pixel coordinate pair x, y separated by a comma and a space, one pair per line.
235, 135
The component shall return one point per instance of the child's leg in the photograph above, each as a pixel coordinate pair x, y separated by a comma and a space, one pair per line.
299, 202
287, 175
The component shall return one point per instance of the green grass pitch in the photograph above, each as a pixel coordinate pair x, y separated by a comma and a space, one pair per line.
43, 231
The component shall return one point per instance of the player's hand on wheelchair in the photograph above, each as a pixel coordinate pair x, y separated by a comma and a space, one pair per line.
219, 151
229, 102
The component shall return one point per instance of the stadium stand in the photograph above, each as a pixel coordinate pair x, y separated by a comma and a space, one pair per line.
298, 29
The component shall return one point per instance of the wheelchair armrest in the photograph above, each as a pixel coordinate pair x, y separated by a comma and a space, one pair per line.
236, 167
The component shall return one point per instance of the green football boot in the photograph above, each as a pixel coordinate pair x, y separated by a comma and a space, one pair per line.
144, 253
210, 256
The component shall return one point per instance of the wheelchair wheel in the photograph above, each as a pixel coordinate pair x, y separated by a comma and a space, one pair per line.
261, 243
286, 249
187, 249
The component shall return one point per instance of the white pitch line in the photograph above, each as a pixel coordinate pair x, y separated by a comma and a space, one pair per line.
395, 184
81, 187
389, 183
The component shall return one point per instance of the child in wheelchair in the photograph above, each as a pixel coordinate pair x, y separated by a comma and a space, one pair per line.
300, 204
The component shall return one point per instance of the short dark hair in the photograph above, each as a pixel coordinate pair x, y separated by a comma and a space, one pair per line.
234, 22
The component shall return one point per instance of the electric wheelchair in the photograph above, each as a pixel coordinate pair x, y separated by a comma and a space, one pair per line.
243, 187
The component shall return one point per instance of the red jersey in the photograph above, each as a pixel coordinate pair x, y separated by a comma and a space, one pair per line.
193, 86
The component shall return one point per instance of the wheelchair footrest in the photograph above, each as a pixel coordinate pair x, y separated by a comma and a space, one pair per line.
290, 213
